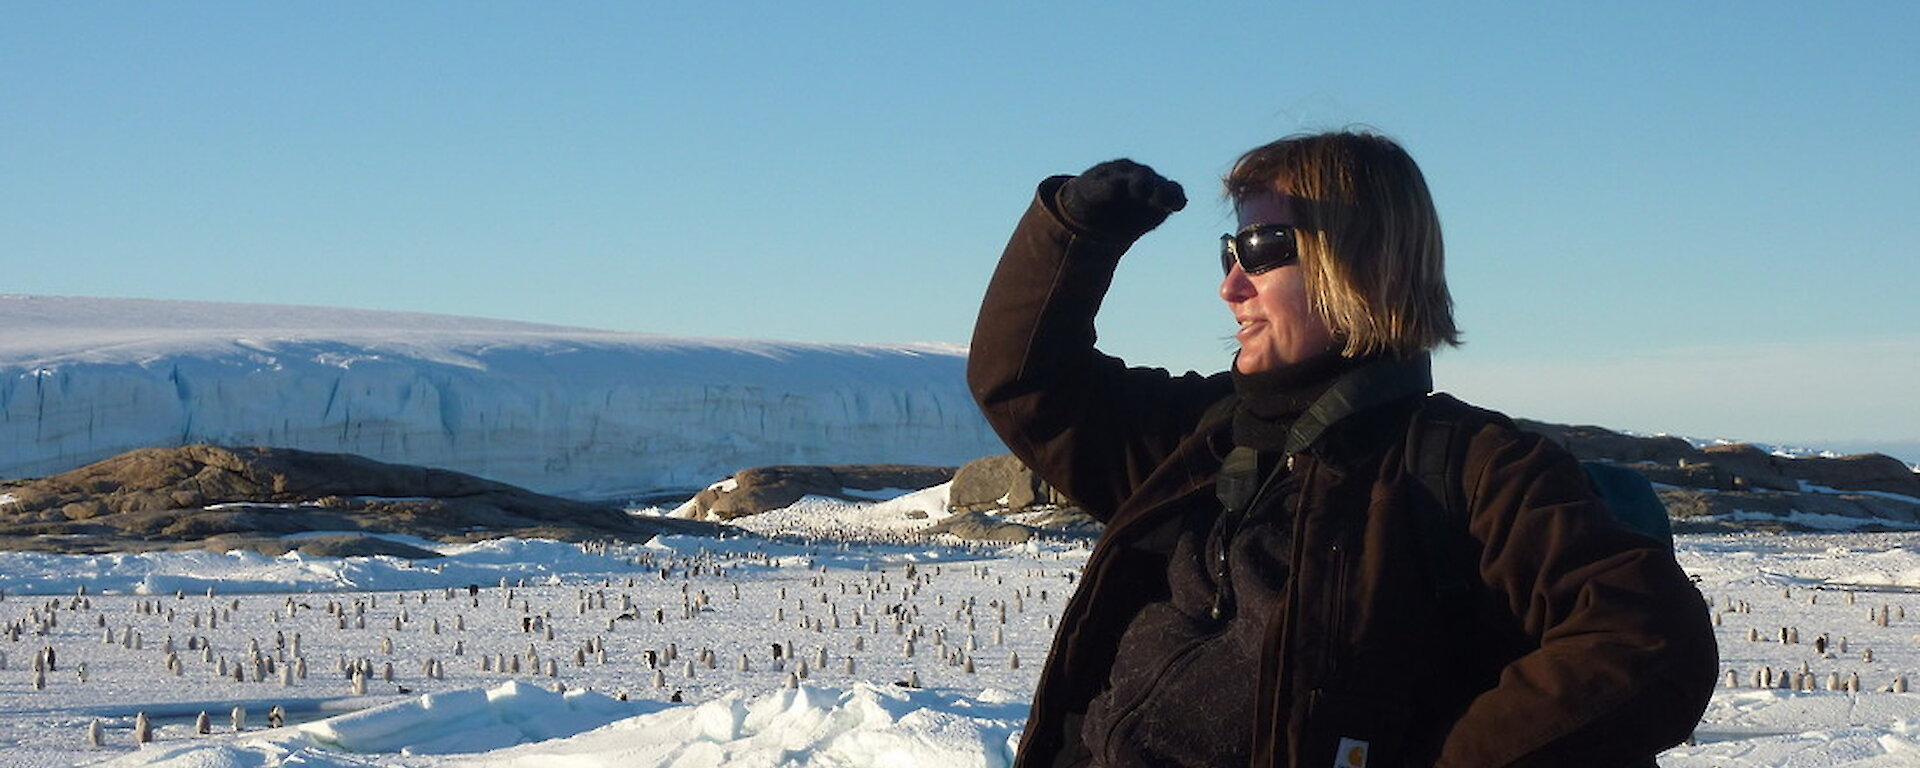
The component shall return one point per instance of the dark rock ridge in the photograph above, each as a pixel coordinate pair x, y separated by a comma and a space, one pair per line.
1742, 487
1716, 488
211, 497
761, 489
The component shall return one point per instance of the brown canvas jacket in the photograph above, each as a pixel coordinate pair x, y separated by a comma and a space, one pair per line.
1585, 644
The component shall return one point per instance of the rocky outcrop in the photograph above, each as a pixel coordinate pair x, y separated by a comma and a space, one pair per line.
760, 489
204, 496
1865, 472
1738, 486
1702, 511
1714, 488
1733, 466
1000, 483
1717, 487
1002, 489
1590, 443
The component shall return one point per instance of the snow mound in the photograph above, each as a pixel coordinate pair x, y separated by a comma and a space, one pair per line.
468, 720
904, 516
865, 725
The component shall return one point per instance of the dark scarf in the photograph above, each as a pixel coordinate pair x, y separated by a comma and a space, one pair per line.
1270, 401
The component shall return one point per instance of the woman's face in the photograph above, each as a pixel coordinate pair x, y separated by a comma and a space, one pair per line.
1277, 325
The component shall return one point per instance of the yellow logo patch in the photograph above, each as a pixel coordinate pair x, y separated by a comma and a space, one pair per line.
1351, 754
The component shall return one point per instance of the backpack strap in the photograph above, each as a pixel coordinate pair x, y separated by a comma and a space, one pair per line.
1435, 452
1238, 481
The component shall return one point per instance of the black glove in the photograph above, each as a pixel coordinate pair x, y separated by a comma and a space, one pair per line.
1119, 200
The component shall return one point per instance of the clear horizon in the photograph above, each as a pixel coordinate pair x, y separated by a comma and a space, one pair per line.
1693, 219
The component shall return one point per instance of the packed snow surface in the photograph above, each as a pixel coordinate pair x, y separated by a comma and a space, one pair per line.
868, 648
520, 724
570, 411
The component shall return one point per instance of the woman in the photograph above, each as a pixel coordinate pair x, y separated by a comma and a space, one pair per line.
1274, 584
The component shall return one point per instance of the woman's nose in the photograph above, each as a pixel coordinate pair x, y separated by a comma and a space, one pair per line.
1236, 286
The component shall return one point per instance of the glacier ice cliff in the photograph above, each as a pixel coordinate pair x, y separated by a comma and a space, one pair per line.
569, 411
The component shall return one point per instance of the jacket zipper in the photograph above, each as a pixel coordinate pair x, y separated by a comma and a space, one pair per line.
1221, 541
1329, 661
1289, 615
1218, 542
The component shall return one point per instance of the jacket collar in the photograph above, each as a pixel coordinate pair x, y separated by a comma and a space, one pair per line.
1194, 466
1361, 389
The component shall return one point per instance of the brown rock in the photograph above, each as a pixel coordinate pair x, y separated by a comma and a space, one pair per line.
760, 489
1698, 511
1589, 443
1749, 468
1695, 475
1000, 482
82, 510
879, 477
197, 494
1864, 472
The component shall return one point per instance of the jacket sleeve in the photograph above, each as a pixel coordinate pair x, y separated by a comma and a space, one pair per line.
1626, 659
1084, 421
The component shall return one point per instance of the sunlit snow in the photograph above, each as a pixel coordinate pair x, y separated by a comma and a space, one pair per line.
764, 678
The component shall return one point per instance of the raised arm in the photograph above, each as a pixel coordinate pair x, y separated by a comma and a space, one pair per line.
1083, 420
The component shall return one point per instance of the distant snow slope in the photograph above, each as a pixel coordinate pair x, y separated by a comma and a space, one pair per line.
570, 411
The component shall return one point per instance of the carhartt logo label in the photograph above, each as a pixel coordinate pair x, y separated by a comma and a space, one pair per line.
1352, 754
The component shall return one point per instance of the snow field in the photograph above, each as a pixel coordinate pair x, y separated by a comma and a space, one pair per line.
663, 619
697, 619
1817, 650
514, 724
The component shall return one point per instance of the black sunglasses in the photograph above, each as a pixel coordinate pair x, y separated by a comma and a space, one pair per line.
1259, 248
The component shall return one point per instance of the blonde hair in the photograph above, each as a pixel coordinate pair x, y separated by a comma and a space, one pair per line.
1369, 237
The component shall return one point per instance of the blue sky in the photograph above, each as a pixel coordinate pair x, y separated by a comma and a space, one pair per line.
1685, 217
